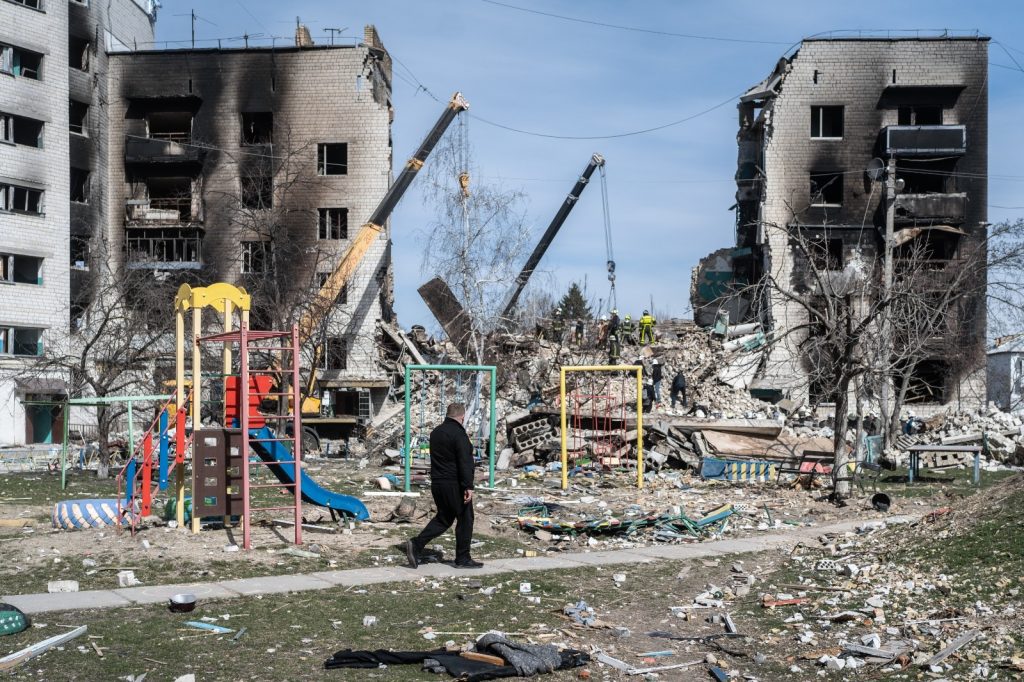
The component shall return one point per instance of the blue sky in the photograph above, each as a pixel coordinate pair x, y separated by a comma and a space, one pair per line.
669, 190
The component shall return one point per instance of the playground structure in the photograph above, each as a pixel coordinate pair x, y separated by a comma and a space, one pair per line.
597, 410
414, 445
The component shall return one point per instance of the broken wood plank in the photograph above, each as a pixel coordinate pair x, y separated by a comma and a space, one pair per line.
16, 523
958, 643
12, 661
868, 651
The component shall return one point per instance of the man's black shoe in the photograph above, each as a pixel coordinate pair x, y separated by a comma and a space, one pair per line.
411, 554
468, 563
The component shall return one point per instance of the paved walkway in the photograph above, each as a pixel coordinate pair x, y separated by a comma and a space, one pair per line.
304, 582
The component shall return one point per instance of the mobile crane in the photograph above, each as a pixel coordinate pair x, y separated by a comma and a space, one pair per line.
357, 248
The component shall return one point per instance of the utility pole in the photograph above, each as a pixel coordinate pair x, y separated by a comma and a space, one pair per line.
887, 274
193, 29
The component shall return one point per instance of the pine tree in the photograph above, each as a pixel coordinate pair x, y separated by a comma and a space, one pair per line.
573, 305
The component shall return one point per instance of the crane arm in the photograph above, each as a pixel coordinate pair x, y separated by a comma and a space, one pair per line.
596, 161
358, 247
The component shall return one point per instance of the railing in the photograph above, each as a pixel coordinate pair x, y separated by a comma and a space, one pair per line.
158, 247
927, 140
170, 210
180, 138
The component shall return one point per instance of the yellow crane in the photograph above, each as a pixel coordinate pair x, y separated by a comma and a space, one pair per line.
314, 315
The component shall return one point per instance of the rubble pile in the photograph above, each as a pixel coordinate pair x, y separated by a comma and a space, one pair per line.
939, 595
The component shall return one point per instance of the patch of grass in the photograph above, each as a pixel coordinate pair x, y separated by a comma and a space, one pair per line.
30, 490
953, 481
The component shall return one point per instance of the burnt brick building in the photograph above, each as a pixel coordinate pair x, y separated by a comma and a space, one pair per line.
807, 135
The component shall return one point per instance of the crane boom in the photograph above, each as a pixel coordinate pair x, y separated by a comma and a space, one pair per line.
523, 277
358, 247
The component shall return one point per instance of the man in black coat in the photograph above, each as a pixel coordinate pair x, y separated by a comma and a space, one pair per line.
451, 484
678, 389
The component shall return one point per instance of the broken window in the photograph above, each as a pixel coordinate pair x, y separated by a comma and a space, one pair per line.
257, 127
342, 297
255, 258
21, 63
826, 189
170, 199
34, 4
927, 115
332, 159
78, 119
17, 269
827, 122
19, 199
78, 53
335, 353
79, 252
927, 382
258, 192
175, 126
21, 341
333, 223
927, 176
79, 185
21, 130
825, 254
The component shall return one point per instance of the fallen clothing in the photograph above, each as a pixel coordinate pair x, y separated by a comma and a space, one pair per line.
526, 657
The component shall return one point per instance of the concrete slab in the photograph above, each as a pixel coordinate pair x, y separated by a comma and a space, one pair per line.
66, 601
275, 584
606, 558
366, 576
156, 594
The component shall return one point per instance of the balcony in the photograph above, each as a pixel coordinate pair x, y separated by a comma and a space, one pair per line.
164, 248
926, 140
161, 211
164, 148
913, 208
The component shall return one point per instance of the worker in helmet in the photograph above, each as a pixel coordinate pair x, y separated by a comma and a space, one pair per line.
613, 347
647, 323
613, 323
628, 330
558, 326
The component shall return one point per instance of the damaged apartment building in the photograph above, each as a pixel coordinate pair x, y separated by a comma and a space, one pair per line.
249, 165
256, 166
53, 162
808, 135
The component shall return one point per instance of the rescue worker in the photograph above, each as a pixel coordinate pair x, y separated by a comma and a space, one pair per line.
628, 330
558, 327
579, 333
678, 389
656, 379
647, 323
613, 348
602, 331
613, 323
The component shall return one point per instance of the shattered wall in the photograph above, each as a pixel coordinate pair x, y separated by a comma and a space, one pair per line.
876, 81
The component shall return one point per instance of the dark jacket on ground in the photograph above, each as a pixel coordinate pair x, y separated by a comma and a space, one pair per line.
451, 454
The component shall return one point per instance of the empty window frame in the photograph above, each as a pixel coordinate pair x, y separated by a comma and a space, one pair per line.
21, 341
34, 4
21, 63
825, 254
256, 258
258, 192
928, 115
826, 189
927, 382
18, 199
78, 117
827, 122
78, 53
18, 269
257, 127
333, 223
21, 130
335, 353
332, 159
175, 126
79, 185
342, 297
79, 252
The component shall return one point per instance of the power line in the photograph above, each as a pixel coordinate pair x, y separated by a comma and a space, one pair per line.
635, 29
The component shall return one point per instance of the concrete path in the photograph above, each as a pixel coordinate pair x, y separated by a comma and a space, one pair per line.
304, 582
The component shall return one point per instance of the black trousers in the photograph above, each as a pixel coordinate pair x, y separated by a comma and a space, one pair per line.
450, 509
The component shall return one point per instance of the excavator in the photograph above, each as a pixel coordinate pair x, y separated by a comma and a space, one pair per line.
349, 262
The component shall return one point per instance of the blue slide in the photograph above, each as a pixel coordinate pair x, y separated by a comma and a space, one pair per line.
275, 451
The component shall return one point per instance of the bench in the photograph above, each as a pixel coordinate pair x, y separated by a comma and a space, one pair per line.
915, 458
